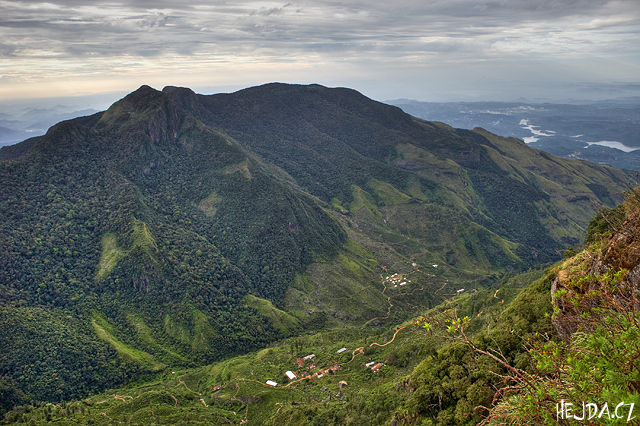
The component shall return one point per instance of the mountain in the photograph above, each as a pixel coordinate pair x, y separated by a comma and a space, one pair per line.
175, 229
23, 123
8, 135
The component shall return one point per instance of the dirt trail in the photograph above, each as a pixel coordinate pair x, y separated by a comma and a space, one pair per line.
384, 283
122, 398
253, 380
187, 387
390, 341
353, 355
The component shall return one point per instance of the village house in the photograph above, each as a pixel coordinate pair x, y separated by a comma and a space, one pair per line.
290, 375
272, 383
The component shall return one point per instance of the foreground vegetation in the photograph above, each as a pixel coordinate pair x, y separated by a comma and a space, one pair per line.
596, 311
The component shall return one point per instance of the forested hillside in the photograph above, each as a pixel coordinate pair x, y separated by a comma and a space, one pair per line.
174, 230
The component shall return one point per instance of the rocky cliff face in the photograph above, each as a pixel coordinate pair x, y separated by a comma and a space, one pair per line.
605, 274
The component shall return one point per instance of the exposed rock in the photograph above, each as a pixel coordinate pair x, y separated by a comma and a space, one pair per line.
592, 271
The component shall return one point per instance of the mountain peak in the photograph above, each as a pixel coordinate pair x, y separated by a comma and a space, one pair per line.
145, 88
170, 90
142, 105
143, 94
182, 96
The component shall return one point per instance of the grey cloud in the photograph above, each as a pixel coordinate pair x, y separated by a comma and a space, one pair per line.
363, 31
7, 50
268, 12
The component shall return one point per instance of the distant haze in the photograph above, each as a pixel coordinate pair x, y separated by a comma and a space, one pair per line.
454, 50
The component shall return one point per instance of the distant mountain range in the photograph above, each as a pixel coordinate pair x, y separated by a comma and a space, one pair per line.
606, 132
176, 229
16, 126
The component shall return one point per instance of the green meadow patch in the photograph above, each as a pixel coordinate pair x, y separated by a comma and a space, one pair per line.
106, 332
279, 319
109, 256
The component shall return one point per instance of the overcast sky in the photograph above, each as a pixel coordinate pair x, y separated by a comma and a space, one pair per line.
432, 50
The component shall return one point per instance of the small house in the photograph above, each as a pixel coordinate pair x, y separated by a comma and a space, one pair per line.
290, 375
341, 350
272, 383
308, 357
369, 364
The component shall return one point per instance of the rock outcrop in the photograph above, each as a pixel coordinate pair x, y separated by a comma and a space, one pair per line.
605, 273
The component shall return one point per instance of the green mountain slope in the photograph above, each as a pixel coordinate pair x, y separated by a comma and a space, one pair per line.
176, 229
329, 140
122, 214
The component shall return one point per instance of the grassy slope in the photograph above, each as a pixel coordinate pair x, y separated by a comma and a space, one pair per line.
574, 187
280, 320
109, 256
105, 331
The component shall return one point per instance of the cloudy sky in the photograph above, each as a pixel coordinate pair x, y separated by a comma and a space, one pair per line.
432, 50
